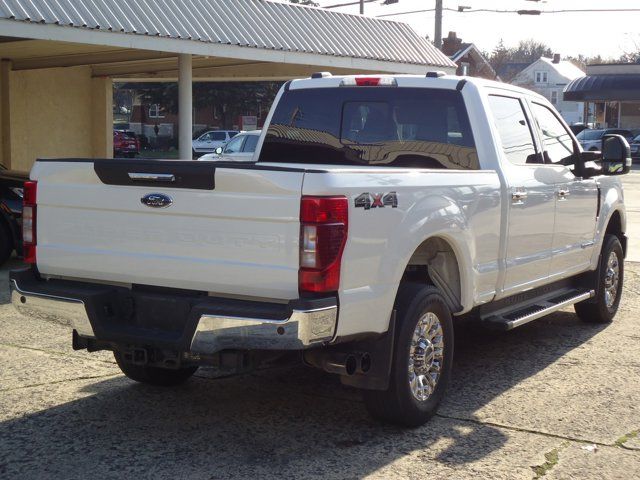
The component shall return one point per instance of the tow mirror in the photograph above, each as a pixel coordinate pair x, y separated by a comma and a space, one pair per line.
616, 155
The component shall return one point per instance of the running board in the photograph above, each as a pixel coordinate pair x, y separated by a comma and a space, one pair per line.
515, 317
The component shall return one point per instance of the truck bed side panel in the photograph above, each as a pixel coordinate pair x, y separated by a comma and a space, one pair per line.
461, 207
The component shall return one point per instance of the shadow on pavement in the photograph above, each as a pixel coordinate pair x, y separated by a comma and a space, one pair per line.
289, 421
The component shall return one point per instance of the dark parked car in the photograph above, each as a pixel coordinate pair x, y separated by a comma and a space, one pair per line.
11, 182
635, 148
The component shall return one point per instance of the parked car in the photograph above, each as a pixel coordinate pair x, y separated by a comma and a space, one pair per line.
577, 128
635, 147
125, 144
380, 212
239, 149
590, 139
209, 141
11, 182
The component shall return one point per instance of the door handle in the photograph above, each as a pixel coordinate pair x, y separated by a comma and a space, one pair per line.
152, 177
563, 194
518, 196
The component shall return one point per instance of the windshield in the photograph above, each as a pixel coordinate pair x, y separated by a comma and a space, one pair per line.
383, 126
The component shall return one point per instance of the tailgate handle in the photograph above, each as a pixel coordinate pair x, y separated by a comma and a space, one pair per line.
152, 177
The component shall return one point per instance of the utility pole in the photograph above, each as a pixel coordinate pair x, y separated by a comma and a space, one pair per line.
361, 7
438, 29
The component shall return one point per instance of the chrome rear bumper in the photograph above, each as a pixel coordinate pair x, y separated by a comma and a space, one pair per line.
210, 326
66, 311
302, 329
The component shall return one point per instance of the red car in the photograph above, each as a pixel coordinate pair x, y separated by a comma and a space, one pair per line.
125, 144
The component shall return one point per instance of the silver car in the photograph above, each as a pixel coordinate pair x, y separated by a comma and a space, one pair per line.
591, 139
240, 149
209, 141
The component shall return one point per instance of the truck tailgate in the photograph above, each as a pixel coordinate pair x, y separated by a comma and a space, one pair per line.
240, 237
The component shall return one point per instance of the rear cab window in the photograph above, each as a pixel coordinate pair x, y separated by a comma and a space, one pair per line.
376, 126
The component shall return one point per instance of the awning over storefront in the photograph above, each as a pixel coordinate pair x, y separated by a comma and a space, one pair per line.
612, 87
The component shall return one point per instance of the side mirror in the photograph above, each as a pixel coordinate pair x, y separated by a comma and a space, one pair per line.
616, 155
219, 151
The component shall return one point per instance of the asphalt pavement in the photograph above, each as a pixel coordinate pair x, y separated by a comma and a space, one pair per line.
556, 399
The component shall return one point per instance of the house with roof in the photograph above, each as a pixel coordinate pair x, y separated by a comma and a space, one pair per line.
549, 77
468, 58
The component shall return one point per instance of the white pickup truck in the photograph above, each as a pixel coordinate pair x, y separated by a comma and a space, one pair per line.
379, 212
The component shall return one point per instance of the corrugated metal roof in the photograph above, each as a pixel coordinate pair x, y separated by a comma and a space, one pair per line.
247, 23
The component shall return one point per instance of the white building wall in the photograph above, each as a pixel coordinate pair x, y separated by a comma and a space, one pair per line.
544, 77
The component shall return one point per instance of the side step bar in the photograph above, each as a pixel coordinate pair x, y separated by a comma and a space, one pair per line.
515, 317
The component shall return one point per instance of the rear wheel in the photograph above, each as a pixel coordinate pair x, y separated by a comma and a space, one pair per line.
154, 375
603, 307
422, 359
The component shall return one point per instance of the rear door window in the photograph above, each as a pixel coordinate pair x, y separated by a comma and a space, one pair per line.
381, 126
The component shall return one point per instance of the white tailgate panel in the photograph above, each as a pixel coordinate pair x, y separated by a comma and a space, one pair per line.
240, 238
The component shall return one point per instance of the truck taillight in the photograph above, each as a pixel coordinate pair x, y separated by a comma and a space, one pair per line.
323, 235
29, 202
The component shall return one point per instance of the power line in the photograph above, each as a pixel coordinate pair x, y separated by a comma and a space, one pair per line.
521, 12
348, 4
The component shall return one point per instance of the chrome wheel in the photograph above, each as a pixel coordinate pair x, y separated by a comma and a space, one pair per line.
611, 279
426, 356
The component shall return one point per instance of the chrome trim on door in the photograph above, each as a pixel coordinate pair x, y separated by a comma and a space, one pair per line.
518, 196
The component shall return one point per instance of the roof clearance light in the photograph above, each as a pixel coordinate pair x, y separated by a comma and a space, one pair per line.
369, 82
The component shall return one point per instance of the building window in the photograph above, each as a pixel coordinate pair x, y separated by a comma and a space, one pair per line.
155, 111
541, 77
554, 97
465, 68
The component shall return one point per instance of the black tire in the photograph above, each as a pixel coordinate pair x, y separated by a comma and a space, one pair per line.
398, 404
163, 377
6, 244
596, 310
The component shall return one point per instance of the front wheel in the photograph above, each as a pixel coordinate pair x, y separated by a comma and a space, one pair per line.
422, 359
154, 375
603, 307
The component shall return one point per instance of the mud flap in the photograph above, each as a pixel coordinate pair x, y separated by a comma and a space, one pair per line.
381, 351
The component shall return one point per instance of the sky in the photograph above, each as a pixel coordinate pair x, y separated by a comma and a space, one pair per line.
606, 34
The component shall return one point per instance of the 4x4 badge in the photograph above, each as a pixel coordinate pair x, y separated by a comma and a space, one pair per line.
376, 200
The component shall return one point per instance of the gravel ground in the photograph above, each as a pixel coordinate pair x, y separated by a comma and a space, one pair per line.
555, 398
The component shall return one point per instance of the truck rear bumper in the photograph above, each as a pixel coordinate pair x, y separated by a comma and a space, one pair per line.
180, 320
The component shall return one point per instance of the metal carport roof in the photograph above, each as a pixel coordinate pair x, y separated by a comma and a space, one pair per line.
272, 31
609, 87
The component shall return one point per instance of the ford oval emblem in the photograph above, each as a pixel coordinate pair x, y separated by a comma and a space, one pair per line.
157, 200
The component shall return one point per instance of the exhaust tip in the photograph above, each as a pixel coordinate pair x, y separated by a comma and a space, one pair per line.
351, 364
365, 363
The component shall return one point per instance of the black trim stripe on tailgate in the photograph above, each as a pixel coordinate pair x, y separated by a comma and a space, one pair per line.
201, 163
172, 174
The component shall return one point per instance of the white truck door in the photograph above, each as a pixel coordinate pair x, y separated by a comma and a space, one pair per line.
576, 198
531, 197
